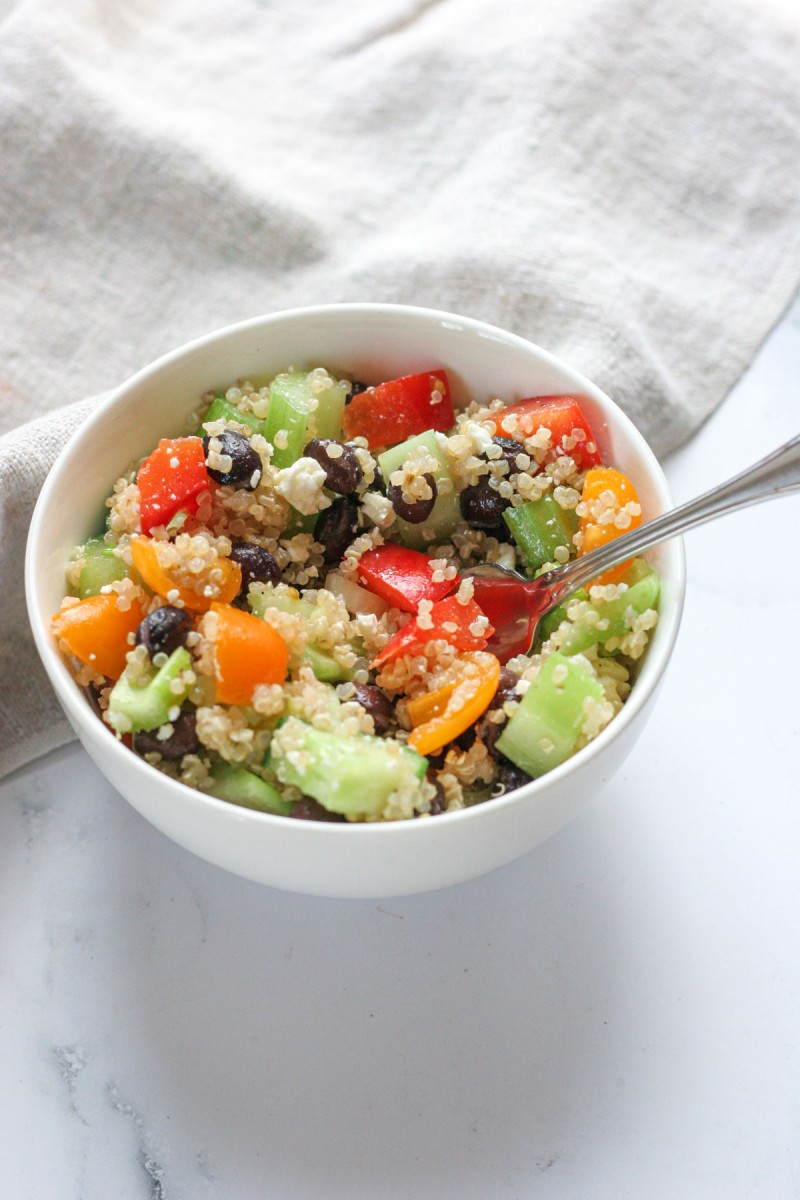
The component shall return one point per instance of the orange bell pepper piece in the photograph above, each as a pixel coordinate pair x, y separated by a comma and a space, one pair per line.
157, 579
96, 632
606, 493
248, 651
440, 716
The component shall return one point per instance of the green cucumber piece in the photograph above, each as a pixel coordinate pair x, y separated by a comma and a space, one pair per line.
544, 729
354, 776
550, 623
100, 566
290, 409
325, 666
446, 512
222, 410
239, 786
135, 707
584, 630
539, 527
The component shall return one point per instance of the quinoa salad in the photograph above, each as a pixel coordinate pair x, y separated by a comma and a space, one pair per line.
276, 613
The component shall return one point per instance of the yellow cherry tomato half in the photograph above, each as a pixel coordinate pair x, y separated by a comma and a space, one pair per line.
157, 578
609, 507
441, 715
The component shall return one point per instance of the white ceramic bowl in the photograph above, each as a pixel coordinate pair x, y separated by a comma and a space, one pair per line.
371, 342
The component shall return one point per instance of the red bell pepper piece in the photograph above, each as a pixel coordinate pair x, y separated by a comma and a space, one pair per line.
393, 411
560, 414
450, 620
402, 576
172, 478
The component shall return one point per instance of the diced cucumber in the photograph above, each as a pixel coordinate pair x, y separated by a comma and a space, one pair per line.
550, 623
239, 786
134, 707
325, 666
446, 512
263, 596
99, 566
222, 410
597, 622
539, 527
544, 729
354, 776
291, 398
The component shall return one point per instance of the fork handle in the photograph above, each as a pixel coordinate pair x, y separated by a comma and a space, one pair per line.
776, 475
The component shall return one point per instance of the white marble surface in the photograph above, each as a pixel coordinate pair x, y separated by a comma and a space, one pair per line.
614, 1015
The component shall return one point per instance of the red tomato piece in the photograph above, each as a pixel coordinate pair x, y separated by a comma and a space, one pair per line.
171, 478
561, 415
450, 620
393, 411
402, 576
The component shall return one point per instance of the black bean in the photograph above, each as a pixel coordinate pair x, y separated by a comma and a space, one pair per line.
509, 776
438, 802
415, 511
245, 470
486, 729
182, 740
307, 809
377, 704
483, 507
164, 630
510, 450
342, 469
355, 389
256, 564
336, 528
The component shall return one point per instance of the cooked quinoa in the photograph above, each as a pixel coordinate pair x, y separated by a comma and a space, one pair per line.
275, 612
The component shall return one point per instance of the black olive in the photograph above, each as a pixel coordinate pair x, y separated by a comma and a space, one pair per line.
377, 704
482, 506
510, 450
182, 740
342, 469
245, 470
256, 564
336, 527
415, 511
509, 776
164, 630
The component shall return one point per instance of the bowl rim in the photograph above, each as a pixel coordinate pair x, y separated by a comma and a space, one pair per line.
80, 713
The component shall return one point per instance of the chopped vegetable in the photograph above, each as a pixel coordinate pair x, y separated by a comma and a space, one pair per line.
395, 411
302, 405
544, 729
239, 786
609, 507
446, 512
462, 625
171, 478
439, 717
540, 527
247, 652
354, 776
402, 576
562, 415
145, 559
95, 631
140, 703
99, 566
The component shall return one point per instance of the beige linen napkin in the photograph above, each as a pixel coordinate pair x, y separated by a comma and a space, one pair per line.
614, 179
